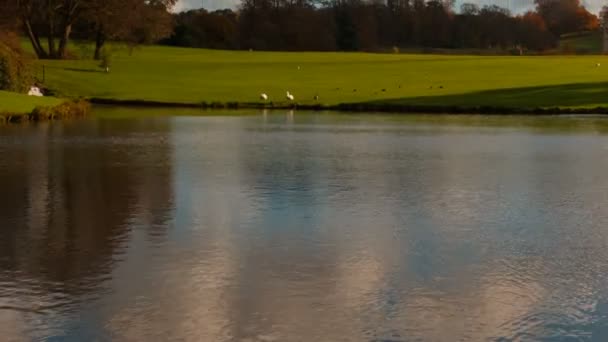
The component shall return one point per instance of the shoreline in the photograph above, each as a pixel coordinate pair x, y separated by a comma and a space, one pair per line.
361, 107
62, 111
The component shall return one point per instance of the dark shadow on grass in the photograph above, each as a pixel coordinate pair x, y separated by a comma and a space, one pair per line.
83, 70
588, 95
578, 98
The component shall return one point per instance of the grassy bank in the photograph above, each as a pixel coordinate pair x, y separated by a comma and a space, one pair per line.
22, 104
581, 43
19, 108
391, 81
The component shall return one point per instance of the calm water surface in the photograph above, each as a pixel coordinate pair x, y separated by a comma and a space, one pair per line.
304, 227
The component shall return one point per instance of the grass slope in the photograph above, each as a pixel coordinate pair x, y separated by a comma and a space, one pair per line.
193, 75
584, 42
19, 103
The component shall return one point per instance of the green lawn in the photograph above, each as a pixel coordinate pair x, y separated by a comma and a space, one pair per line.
585, 42
194, 75
19, 103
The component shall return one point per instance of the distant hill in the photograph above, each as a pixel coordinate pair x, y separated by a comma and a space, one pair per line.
581, 43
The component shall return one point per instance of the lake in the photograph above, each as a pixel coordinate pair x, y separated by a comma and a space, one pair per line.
295, 226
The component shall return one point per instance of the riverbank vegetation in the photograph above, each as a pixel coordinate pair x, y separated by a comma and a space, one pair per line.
18, 108
21, 104
15, 67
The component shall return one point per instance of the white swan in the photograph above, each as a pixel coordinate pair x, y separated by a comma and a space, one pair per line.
35, 91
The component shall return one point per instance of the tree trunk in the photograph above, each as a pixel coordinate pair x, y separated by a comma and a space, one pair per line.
100, 41
51, 43
63, 43
40, 53
51, 39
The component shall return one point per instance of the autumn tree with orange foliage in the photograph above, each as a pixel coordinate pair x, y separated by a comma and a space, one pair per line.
566, 16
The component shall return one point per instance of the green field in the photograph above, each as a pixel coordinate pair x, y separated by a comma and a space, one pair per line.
19, 103
581, 43
194, 75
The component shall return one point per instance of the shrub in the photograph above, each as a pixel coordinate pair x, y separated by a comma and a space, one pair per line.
65, 110
15, 70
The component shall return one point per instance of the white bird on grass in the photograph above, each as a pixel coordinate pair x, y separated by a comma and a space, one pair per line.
263, 96
35, 91
289, 96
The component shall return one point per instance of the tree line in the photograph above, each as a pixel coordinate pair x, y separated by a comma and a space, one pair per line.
353, 25
294, 25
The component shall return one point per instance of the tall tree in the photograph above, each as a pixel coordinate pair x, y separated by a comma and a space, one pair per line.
565, 16
50, 19
54, 20
134, 21
533, 32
